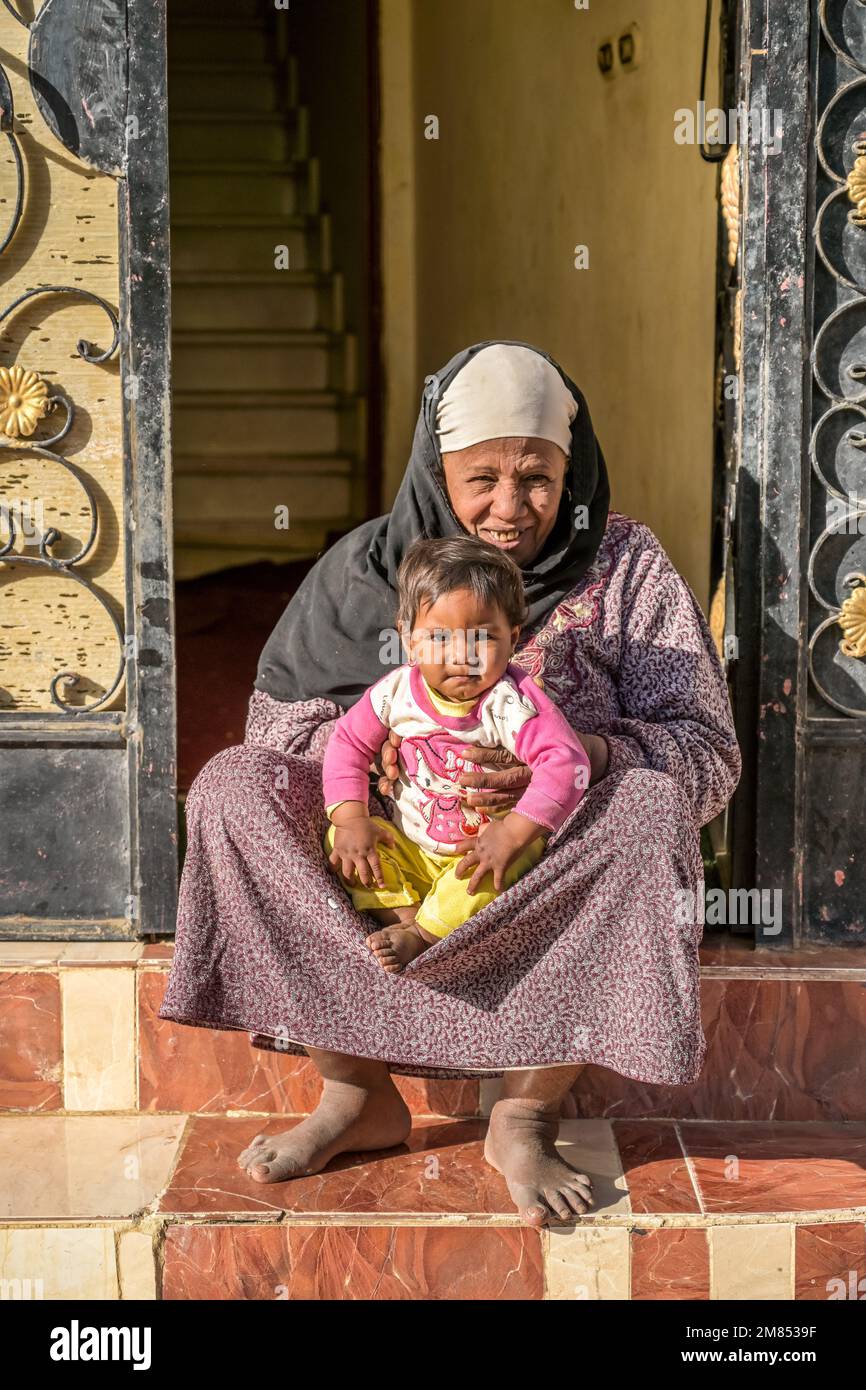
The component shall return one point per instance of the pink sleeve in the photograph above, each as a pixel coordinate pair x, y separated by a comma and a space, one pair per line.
559, 762
356, 740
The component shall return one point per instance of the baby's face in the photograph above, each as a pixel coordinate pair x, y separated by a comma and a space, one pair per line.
461, 645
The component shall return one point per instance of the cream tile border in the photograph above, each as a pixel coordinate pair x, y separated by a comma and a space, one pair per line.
587, 1264
61, 1262
99, 1039
23, 955
754, 1263
136, 1265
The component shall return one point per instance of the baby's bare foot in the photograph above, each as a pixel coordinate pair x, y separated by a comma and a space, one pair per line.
394, 947
347, 1118
520, 1145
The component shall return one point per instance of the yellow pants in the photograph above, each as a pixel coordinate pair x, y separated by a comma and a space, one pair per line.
413, 876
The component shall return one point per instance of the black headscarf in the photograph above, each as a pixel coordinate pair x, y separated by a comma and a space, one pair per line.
329, 641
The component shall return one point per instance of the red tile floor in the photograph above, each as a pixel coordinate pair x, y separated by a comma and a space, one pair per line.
749, 1185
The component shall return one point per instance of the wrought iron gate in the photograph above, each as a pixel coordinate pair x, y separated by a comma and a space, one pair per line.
87, 768
801, 514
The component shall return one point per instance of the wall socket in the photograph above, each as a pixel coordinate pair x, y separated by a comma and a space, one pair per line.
606, 58
623, 53
629, 46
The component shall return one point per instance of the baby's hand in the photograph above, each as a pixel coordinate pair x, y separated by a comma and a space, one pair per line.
493, 849
354, 851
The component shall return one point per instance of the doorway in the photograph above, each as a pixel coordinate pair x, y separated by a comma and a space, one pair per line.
272, 126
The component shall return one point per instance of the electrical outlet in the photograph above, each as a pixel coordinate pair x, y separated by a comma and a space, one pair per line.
607, 58
629, 46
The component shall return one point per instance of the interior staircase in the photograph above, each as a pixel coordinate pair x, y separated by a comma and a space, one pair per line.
267, 412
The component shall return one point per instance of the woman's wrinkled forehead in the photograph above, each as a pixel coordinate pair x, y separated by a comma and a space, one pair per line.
505, 390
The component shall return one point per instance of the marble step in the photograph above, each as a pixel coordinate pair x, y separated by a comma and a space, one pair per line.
228, 86
246, 135
235, 361
282, 300
155, 1206
79, 1031
285, 187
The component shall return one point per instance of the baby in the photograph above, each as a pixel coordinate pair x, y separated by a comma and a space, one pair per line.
461, 608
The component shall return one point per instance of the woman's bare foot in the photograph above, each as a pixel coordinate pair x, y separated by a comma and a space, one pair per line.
348, 1117
394, 947
520, 1145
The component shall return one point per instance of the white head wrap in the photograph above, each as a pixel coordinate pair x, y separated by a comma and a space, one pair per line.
505, 390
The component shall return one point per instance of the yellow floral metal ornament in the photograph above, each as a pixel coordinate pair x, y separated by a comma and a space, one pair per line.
24, 401
856, 183
852, 618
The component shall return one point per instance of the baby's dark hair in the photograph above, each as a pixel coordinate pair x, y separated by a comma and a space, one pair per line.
432, 568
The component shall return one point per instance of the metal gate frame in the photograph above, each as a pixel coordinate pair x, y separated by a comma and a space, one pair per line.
99, 788
801, 700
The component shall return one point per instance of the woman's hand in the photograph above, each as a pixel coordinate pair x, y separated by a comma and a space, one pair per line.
511, 777
501, 787
355, 852
598, 752
494, 848
387, 767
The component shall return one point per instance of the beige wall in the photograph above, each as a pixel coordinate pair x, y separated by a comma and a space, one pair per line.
537, 154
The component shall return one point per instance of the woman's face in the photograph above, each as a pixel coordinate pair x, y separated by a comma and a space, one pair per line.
507, 492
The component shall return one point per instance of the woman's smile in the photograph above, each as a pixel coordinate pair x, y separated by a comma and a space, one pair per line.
521, 478
506, 538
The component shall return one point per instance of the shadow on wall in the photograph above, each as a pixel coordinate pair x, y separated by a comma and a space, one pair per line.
223, 621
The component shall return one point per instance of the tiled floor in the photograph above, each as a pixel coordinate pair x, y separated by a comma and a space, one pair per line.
118, 1153
785, 1042
684, 1211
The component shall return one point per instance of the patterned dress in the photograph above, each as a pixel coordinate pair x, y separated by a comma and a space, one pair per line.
589, 957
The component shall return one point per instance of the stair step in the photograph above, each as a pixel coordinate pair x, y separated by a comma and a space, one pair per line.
429, 1220
290, 465
216, 243
222, 39
321, 422
248, 88
239, 500
248, 136
196, 561
200, 10
203, 548
282, 300
264, 361
285, 186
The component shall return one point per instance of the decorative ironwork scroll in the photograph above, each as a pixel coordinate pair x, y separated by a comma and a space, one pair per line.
24, 397
7, 126
838, 445
15, 15
24, 401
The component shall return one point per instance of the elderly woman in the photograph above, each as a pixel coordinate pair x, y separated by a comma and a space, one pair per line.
589, 957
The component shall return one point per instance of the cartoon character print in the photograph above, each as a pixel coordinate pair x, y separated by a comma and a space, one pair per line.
432, 762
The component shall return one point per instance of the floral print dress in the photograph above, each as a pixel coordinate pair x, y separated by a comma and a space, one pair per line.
587, 958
